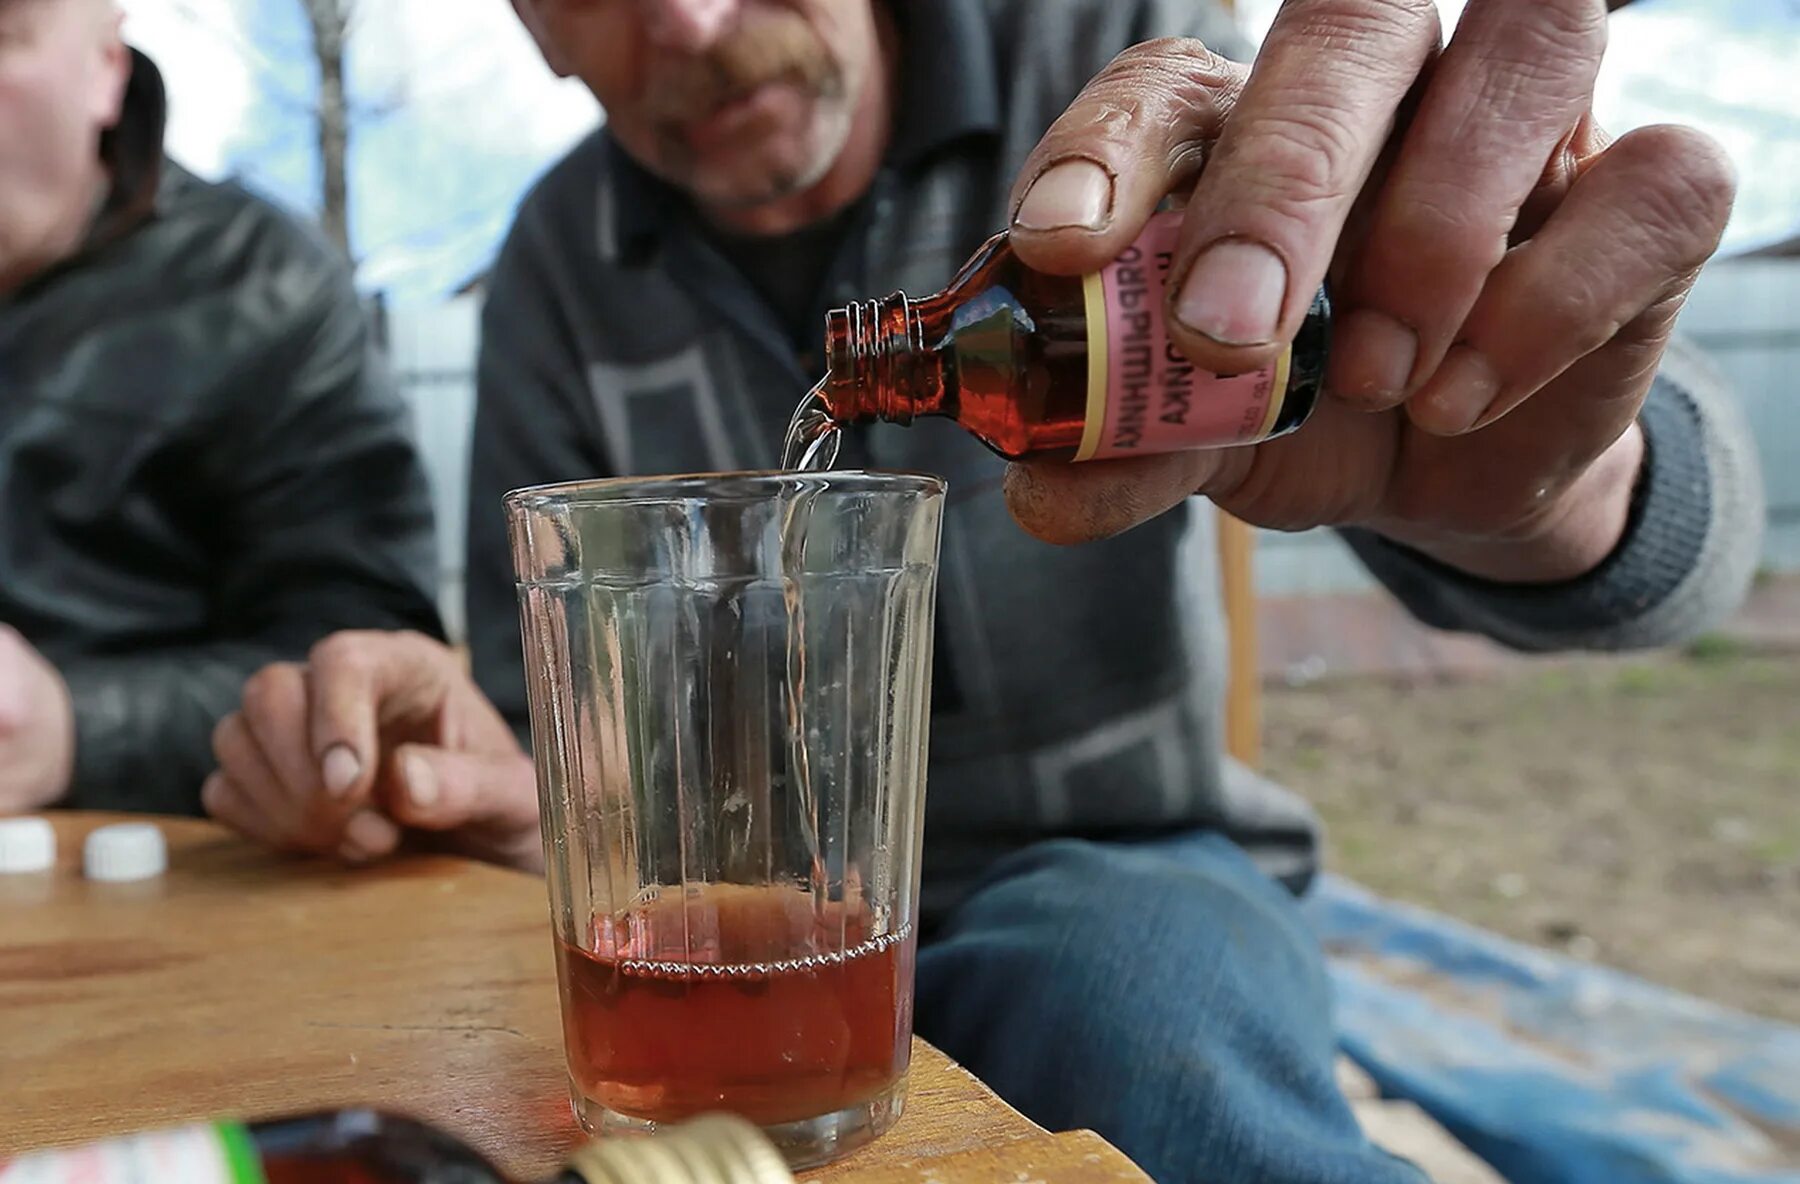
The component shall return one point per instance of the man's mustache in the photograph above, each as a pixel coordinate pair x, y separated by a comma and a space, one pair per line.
776, 47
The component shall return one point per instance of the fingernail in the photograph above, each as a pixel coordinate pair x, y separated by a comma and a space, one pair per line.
209, 794
1075, 193
421, 783
368, 834
1233, 293
341, 769
1375, 356
1456, 397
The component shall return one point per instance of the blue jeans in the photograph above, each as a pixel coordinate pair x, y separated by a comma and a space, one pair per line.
1165, 994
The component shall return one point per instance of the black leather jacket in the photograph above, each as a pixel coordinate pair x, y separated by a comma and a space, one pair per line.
203, 468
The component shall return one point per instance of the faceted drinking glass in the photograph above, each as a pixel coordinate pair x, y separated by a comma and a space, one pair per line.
729, 685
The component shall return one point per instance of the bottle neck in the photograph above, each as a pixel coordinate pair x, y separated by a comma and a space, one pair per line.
878, 363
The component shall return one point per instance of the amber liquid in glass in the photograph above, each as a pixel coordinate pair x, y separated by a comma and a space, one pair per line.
758, 1000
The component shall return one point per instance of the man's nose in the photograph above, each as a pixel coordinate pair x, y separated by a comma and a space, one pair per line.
689, 26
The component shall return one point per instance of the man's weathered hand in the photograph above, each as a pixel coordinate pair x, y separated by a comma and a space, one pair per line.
37, 728
377, 734
1505, 280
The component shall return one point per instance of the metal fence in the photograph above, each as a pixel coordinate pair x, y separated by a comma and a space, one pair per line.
433, 354
1745, 313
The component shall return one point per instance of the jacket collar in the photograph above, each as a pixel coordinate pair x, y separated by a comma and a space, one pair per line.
133, 152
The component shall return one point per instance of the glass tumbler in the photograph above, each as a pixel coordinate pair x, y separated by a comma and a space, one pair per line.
729, 684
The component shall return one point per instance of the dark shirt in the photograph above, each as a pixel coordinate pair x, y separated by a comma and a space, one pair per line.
789, 271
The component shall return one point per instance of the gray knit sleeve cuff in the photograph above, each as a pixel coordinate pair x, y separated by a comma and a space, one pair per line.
1689, 552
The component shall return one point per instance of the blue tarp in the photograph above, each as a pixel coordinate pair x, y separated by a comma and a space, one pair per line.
1553, 1070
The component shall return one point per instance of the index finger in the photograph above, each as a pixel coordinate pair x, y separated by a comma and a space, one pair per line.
361, 682
1134, 133
1265, 218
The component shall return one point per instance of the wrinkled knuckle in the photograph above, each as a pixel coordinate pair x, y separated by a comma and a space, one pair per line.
1566, 27
1164, 56
1309, 141
1198, 100
1372, 23
1155, 106
1294, 159
1450, 226
1530, 86
1151, 87
1112, 126
1421, 13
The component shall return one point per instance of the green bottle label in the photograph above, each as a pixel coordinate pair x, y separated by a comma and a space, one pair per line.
218, 1153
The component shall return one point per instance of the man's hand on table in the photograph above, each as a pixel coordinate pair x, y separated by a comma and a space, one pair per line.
1504, 279
378, 734
37, 728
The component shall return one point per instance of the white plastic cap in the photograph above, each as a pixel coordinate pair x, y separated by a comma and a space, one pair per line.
26, 845
126, 851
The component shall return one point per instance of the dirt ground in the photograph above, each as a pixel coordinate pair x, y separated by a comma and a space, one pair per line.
1643, 813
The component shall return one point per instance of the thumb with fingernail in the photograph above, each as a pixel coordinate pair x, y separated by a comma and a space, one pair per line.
340, 769
483, 804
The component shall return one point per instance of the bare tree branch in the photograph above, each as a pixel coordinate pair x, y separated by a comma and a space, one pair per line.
330, 22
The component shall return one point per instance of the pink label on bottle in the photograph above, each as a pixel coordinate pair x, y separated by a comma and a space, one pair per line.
1153, 398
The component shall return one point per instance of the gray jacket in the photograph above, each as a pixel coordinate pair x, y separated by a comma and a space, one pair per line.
1077, 689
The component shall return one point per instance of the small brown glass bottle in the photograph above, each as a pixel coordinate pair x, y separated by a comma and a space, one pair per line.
370, 1147
1053, 367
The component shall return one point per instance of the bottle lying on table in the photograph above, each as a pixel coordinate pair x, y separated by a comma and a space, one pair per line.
1060, 368
370, 1147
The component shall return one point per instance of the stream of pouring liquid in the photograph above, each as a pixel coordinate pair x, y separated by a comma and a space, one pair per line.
813, 437
810, 446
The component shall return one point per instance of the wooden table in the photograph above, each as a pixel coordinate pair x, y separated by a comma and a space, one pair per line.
243, 984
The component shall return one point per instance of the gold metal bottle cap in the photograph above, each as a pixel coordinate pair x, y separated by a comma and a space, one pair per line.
715, 1149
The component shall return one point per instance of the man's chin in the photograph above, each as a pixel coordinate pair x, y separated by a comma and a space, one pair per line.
747, 183
750, 194
763, 166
